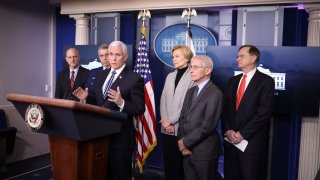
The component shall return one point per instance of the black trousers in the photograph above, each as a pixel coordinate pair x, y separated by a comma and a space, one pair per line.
172, 157
119, 164
240, 165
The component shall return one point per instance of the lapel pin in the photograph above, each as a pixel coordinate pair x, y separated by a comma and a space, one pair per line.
120, 77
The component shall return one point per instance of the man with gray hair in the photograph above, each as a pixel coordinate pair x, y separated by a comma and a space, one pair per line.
199, 141
119, 89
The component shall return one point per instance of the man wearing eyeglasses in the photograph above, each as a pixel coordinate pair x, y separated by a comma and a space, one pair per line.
199, 141
248, 102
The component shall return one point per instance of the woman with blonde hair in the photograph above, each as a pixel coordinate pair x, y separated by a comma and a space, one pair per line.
175, 88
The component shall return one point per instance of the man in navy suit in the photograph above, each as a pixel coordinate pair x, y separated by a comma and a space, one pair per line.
125, 95
103, 57
247, 118
64, 87
199, 141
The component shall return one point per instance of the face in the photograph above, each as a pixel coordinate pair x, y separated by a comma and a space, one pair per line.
103, 57
116, 57
246, 62
72, 58
179, 61
198, 72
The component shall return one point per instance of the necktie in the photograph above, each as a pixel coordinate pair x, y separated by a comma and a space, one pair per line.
195, 93
106, 89
241, 90
72, 79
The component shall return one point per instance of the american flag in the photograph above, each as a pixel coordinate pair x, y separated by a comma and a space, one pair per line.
145, 125
189, 41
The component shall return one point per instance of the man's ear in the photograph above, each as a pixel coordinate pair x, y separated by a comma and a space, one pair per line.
126, 58
208, 71
253, 58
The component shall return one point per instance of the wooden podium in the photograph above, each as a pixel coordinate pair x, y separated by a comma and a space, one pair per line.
78, 135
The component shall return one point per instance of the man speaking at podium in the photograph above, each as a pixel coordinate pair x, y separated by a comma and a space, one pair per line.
118, 89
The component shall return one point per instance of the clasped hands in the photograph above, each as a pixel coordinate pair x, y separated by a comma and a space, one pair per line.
234, 137
113, 96
183, 149
167, 126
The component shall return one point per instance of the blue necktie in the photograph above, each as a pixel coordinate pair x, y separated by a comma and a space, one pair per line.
107, 88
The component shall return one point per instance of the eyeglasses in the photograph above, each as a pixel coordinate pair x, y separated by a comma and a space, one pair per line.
196, 67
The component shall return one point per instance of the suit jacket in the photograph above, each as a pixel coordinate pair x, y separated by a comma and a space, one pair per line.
254, 111
132, 91
92, 78
63, 89
172, 99
199, 120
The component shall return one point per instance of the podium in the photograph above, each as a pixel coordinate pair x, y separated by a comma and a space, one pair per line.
78, 134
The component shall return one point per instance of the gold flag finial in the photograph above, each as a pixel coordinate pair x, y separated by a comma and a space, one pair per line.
189, 12
144, 14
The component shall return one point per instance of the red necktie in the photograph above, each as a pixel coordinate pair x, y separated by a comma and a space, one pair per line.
72, 79
241, 90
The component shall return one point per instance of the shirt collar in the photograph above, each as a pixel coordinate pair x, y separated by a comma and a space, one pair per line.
118, 71
202, 84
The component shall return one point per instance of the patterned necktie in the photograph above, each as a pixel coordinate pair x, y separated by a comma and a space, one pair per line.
241, 91
195, 93
72, 79
107, 88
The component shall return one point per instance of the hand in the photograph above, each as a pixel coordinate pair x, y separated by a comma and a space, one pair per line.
169, 129
238, 136
186, 152
81, 94
181, 145
232, 136
115, 96
165, 123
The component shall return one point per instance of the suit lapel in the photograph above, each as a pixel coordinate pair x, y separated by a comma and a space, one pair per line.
67, 79
200, 96
78, 78
119, 79
114, 85
250, 88
99, 83
234, 91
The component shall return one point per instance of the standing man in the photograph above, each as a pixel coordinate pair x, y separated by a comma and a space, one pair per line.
199, 141
103, 57
248, 103
71, 78
118, 89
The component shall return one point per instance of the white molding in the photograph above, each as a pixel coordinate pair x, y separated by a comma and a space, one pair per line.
96, 6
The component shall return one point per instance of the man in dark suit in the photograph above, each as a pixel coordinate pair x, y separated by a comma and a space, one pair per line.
126, 95
199, 141
248, 103
72, 77
103, 57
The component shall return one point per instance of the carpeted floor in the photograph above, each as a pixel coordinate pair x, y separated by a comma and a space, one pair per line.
40, 168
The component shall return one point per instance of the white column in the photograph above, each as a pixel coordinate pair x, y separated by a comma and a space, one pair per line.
309, 159
82, 28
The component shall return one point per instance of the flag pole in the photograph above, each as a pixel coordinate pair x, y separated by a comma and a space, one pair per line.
189, 12
142, 14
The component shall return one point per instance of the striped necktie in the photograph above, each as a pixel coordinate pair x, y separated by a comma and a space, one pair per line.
107, 88
72, 79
